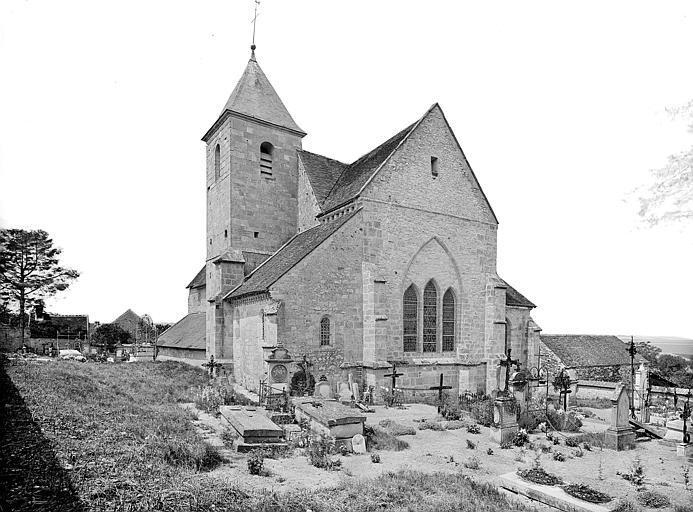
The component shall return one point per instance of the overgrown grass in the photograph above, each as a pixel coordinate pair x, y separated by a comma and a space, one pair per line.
379, 439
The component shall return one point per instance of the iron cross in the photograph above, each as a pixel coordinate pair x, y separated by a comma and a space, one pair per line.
508, 362
212, 365
440, 389
255, 21
305, 365
394, 376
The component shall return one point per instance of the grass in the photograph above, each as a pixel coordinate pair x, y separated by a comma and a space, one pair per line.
113, 438
379, 439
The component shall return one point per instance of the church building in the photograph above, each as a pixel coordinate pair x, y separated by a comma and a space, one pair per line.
349, 266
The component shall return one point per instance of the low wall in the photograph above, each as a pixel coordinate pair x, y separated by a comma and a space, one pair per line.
589, 389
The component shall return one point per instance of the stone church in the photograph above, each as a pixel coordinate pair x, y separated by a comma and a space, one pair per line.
354, 266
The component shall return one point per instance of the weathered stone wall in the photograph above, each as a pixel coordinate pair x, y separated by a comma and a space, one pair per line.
197, 300
248, 340
307, 204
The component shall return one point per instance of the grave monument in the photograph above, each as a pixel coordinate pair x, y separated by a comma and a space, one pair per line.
620, 436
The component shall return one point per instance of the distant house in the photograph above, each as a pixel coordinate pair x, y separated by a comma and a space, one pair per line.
61, 331
129, 322
185, 340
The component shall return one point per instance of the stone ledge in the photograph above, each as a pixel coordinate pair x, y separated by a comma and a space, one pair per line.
549, 495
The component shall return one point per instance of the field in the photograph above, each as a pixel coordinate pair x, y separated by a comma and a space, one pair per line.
83, 436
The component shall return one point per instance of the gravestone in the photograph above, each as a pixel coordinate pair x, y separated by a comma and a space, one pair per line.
504, 425
344, 393
355, 390
330, 419
358, 444
620, 436
323, 389
256, 429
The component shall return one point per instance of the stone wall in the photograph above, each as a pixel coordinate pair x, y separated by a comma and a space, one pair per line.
197, 300
308, 207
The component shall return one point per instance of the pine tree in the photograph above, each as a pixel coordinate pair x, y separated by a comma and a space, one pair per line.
29, 270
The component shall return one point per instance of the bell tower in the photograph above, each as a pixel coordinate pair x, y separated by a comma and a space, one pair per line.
252, 183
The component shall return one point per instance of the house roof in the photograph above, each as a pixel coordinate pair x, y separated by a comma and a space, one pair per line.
188, 332
515, 298
287, 257
255, 97
322, 172
354, 176
127, 318
584, 351
199, 280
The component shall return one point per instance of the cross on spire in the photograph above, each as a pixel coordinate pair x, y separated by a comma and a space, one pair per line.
252, 46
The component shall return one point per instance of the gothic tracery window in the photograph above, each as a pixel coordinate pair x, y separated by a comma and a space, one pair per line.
430, 317
410, 306
324, 331
448, 321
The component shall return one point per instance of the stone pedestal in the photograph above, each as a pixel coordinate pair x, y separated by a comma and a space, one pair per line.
619, 436
684, 450
504, 420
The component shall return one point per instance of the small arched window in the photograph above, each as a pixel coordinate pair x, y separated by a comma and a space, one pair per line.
448, 321
324, 331
266, 151
410, 307
217, 162
430, 317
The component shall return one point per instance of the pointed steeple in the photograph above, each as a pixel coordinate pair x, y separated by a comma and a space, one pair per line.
254, 96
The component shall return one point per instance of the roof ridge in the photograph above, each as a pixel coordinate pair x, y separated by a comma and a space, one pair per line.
321, 156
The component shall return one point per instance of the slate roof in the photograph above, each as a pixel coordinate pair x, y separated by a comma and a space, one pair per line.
322, 172
356, 175
188, 332
515, 298
199, 280
584, 351
127, 320
254, 96
287, 257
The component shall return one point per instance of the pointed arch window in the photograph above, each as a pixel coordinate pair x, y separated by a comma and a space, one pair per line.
324, 331
448, 321
217, 162
430, 317
266, 152
410, 309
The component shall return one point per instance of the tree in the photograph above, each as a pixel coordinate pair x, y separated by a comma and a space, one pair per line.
29, 270
647, 350
676, 368
669, 197
110, 335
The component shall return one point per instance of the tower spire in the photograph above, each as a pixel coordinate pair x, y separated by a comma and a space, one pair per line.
252, 46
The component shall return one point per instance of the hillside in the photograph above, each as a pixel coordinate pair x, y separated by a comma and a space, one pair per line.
668, 344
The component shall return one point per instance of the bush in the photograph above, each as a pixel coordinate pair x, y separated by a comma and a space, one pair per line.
255, 462
375, 458
572, 442
559, 457
586, 493
397, 429
563, 421
454, 424
538, 475
474, 429
200, 456
653, 499
379, 439
506, 445
431, 425
489, 451
529, 421
229, 437
210, 398
318, 452
471, 445
482, 411
472, 463
626, 506
521, 437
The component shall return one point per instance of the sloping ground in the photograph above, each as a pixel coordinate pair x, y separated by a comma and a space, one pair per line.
101, 437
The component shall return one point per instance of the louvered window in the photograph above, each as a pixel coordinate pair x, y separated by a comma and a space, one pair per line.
430, 317
410, 306
266, 151
448, 321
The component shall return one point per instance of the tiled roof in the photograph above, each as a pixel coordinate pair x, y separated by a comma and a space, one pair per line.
322, 172
254, 96
127, 320
188, 332
199, 280
357, 174
515, 298
287, 257
583, 351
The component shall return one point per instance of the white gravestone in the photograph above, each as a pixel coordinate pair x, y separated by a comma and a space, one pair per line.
358, 444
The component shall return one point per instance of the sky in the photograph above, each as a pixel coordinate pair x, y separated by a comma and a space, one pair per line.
559, 107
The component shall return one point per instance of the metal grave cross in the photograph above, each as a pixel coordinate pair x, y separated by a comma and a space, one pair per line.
212, 366
394, 376
508, 362
685, 416
440, 389
305, 366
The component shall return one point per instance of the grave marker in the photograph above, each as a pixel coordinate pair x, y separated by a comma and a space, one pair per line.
619, 436
440, 389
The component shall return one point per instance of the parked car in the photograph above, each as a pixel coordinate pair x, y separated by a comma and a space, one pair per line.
74, 355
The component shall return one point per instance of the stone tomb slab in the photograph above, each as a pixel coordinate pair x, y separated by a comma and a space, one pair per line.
330, 418
552, 496
252, 425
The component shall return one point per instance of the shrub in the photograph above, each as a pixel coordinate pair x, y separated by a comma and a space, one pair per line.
653, 499
683, 508
586, 493
454, 424
489, 451
482, 411
318, 452
573, 442
521, 437
397, 429
471, 444
431, 425
578, 453
229, 437
529, 421
474, 429
636, 475
559, 457
210, 398
375, 458
563, 421
472, 463
255, 462
506, 445
626, 505
379, 439
200, 456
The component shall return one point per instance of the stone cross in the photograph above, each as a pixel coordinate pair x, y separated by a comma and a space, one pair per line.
508, 362
440, 389
394, 376
305, 366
